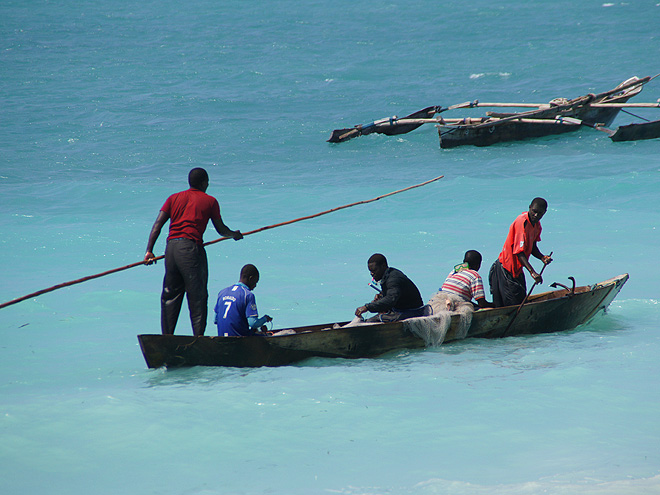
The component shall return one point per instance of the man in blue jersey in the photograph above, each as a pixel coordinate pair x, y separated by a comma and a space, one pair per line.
236, 312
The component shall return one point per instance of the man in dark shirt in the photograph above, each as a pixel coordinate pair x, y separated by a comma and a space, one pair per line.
399, 298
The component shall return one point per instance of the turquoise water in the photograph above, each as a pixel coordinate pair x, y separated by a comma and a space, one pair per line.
105, 108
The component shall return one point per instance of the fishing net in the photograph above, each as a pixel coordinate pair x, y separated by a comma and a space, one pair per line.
443, 309
559, 101
445, 305
431, 329
357, 321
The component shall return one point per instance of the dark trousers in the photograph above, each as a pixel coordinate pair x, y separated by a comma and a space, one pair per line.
506, 289
186, 270
396, 315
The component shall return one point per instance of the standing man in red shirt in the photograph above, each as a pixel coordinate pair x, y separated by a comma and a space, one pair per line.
506, 277
186, 265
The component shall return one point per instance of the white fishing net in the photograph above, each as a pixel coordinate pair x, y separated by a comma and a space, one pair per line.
445, 306
357, 321
433, 329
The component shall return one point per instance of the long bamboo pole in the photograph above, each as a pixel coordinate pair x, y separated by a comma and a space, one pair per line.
625, 105
480, 120
548, 106
268, 227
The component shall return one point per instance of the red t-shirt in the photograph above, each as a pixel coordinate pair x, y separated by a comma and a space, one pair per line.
189, 213
521, 239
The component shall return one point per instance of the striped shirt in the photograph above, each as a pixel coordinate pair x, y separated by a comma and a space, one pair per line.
467, 284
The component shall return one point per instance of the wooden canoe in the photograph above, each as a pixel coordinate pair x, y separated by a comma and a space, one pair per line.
552, 311
503, 127
636, 132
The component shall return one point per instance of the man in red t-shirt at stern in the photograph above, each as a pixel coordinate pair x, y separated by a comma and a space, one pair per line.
186, 265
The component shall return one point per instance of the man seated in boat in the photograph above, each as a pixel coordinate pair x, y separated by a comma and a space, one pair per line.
506, 276
236, 310
399, 297
463, 284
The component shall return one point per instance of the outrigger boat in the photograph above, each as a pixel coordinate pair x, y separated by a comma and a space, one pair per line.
561, 309
556, 117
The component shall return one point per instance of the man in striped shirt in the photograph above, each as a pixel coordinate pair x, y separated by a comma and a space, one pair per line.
465, 281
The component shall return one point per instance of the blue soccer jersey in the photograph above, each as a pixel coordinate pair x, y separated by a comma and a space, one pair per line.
235, 305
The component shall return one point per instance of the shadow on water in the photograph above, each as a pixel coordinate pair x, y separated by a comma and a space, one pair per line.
210, 375
390, 361
195, 375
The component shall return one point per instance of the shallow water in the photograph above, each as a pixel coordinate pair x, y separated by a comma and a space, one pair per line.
107, 107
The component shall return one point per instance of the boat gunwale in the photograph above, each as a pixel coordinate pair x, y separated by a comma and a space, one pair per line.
543, 297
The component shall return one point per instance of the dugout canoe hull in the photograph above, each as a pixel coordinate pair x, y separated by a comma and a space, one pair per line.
637, 132
487, 130
552, 311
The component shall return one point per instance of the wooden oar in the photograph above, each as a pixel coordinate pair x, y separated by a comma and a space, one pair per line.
573, 120
132, 265
525, 300
389, 125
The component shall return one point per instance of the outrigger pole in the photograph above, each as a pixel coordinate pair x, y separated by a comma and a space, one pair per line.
261, 229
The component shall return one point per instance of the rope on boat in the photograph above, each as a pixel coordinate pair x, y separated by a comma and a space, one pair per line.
635, 115
268, 227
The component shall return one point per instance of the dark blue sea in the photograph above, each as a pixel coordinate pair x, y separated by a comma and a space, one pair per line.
106, 106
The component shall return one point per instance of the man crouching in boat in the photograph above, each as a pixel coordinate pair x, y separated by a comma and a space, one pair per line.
399, 298
236, 312
461, 286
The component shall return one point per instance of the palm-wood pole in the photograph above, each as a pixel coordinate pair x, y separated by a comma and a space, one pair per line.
261, 229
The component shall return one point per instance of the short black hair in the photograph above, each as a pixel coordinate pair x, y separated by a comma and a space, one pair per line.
379, 259
249, 271
472, 258
197, 177
539, 202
